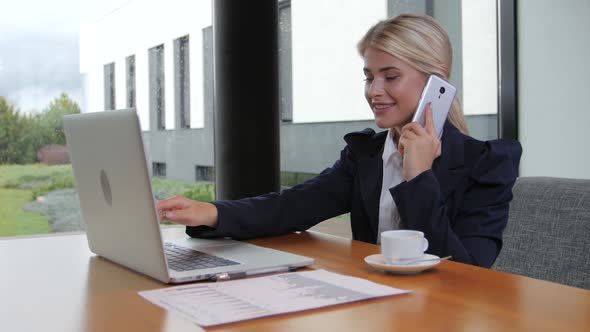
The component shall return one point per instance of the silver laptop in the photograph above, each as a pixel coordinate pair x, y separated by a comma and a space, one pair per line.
118, 208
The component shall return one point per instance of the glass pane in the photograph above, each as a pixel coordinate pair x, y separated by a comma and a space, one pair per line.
40, 82
321, 72
93, 56
478, 65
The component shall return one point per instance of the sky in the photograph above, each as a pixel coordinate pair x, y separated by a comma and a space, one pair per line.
39, 53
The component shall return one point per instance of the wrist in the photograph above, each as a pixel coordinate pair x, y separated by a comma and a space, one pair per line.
212, 215
415, 172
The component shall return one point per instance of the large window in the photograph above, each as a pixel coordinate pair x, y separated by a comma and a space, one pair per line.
156, 86
109, 87
182, 81
285, 69
65, 57
130, 78
118, 58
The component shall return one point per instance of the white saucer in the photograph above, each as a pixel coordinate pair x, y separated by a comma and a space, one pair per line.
377, 261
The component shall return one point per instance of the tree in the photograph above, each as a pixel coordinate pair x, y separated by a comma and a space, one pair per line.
51, 120
17, 140
22, 135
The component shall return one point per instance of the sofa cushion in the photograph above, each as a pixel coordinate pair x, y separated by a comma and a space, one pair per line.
548, 231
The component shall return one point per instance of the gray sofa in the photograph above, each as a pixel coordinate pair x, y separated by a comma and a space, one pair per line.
548, 231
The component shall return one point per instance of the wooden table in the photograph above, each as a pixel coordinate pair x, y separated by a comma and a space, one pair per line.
54, 283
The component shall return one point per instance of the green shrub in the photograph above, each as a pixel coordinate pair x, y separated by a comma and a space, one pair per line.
202, 193
166, 188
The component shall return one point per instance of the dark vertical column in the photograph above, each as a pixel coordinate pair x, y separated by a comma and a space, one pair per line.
246, 98
507, 67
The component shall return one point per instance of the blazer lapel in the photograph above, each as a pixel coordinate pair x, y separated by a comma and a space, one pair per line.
449, 168
368, 148
371, 175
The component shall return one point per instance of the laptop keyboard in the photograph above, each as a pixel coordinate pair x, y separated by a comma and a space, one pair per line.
186, 259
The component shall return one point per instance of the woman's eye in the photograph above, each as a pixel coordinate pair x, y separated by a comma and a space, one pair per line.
391, 78
368, 79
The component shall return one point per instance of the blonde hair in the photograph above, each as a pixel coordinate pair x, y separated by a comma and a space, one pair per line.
422, 43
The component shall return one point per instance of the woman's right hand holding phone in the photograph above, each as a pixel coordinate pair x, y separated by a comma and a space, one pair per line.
419, 146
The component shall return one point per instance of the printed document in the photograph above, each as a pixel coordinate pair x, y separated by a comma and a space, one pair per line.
224, 302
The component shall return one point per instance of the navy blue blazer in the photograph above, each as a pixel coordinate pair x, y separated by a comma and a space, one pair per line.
461, 204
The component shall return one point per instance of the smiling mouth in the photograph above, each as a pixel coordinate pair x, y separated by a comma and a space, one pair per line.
381, 107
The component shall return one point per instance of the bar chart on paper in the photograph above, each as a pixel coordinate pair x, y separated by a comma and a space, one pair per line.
224, 302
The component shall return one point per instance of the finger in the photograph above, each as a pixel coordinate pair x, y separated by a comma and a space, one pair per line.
184, 217
414, 131
401, 147
414, 127
161, 215
397, 132
429, 120
176, 202
409, 135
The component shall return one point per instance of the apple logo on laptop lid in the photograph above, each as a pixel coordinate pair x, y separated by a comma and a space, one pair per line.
106, 187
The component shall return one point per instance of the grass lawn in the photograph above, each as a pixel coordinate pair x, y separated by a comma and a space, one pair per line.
19, 184
13, 175
15, 221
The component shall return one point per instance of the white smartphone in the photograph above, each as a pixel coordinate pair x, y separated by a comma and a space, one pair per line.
440, 94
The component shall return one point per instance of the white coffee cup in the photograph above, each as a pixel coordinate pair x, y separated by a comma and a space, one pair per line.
402, 245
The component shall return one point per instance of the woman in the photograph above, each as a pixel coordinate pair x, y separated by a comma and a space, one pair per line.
456, 190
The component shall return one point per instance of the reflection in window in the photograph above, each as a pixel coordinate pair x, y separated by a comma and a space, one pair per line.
156, 87
109, 86
130, 78
182, 81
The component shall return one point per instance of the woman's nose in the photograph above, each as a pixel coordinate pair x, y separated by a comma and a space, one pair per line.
375, 89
